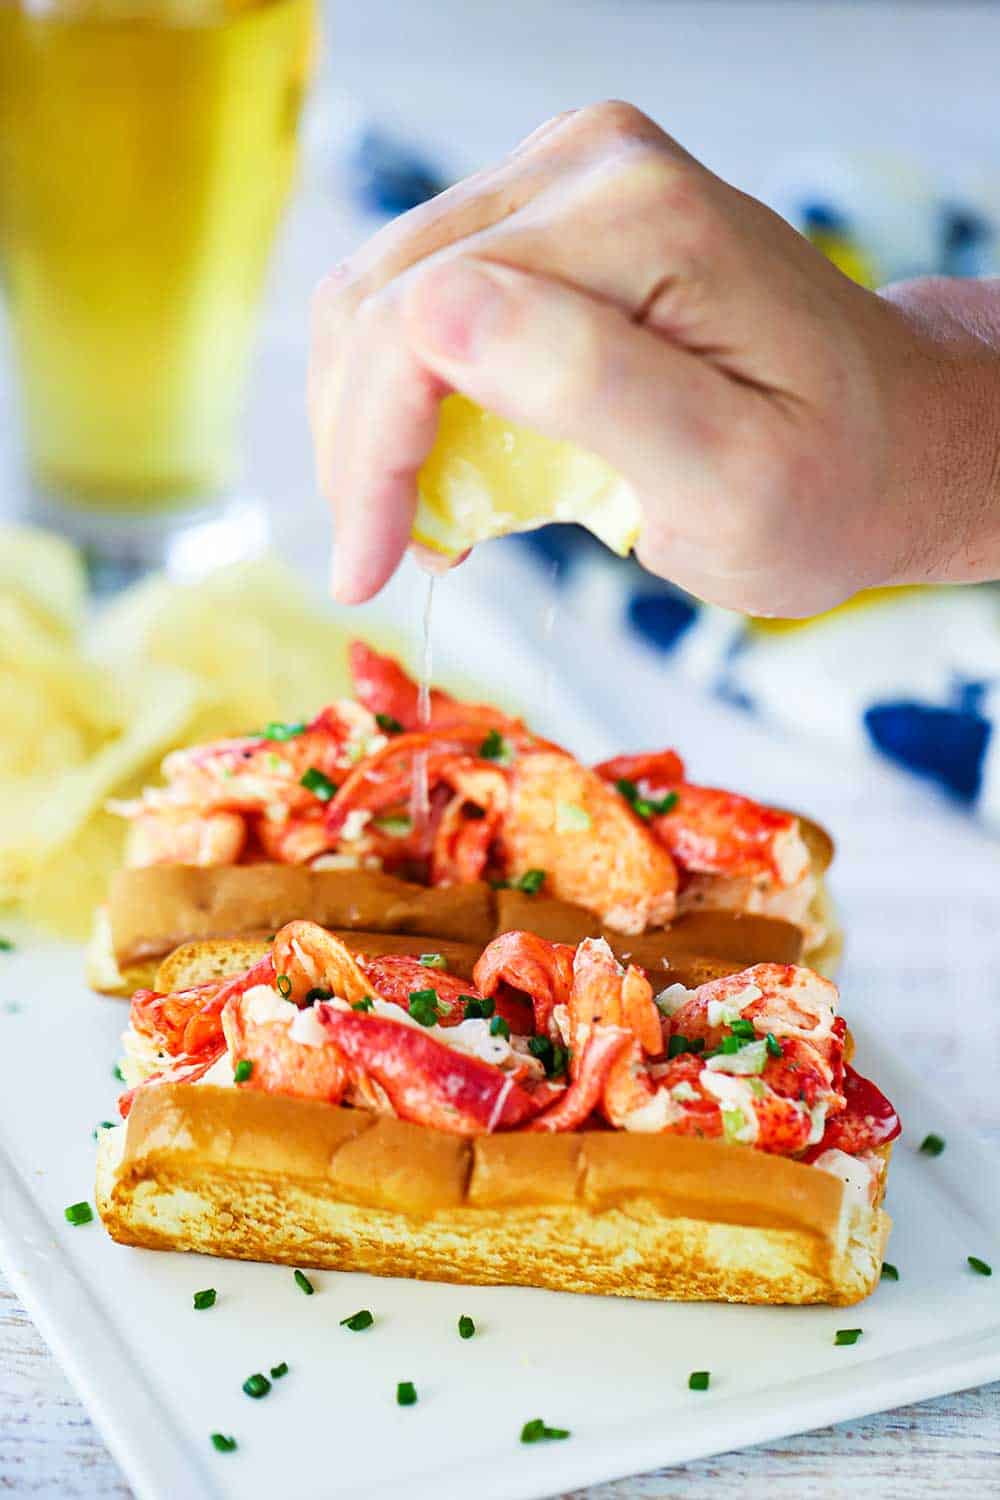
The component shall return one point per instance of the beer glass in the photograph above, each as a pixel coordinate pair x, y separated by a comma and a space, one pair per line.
146, 151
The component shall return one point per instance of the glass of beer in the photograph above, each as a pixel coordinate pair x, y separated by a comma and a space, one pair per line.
146, 152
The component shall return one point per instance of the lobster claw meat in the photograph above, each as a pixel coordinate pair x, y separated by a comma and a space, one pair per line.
867, 1121
427, 1082
541, 970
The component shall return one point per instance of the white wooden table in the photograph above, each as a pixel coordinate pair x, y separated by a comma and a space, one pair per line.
49, 1447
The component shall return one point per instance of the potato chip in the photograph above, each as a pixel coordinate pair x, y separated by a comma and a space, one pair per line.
163, 665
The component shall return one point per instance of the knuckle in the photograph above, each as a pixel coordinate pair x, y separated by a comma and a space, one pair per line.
616, 120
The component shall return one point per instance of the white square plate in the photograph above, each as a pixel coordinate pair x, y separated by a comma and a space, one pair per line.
159, 1377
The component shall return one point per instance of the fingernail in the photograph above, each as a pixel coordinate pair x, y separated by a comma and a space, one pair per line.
453, 309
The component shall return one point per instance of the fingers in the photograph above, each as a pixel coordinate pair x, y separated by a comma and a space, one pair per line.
547, 356
544, 159
381, 431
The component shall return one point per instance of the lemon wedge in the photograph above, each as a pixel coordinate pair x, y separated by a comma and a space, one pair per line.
486, 477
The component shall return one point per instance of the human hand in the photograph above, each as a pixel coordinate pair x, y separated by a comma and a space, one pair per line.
792, 437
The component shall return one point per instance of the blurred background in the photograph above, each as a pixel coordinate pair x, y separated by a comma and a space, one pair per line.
176, 175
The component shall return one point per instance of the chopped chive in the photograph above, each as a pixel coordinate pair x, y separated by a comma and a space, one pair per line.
847, 1335
103, 1125
466, 1327
205, 1299
303, 1283
982, 1267
423, 1007
536, 1431
78, 1213
699, 1380
388, 724
6, 946
643, 807
223, 1444
494, 747
531, 882
627, 788
116, 1072
278, 1370
406, 1393
677, 1046
366, 1004
276, 730
774, 1047
932, 1145
665, 804
318, 992
729, 1045
358, 1321
242, 1070
433, 960
256, 1386
743, 1029
499, 1027
316, 782
283, 985
475, 1008
889, 1271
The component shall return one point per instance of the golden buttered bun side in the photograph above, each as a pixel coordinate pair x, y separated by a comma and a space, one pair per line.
256, 1176
154, 910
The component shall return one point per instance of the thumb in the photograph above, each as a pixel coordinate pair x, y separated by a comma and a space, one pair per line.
547, 356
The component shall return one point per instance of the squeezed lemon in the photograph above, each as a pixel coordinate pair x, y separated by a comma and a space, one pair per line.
486, 477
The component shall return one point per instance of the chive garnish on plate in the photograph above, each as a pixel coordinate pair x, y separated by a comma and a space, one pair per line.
78, 1213
774, 1047
476, 1009
466, 1327
205, 1299
847, 1335
6, 946
358, 1321
278, 1370
303, 1283
366, 1004
699, 1380
242, 1070
531, 882
319, 992
932, 1145
981, 1267
388, 724
256, 1385
889, 1271
499, 1027
406, 1393
536, 1431
283, 985
223, 1444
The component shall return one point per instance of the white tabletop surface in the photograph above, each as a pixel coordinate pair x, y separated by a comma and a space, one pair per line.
738, 83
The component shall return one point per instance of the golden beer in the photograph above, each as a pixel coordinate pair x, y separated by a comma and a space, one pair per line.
146, 151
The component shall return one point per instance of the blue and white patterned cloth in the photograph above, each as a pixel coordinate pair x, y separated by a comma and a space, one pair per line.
912, 674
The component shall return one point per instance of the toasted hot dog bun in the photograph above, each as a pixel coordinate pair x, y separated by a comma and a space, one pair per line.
256, 1176
154, 910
